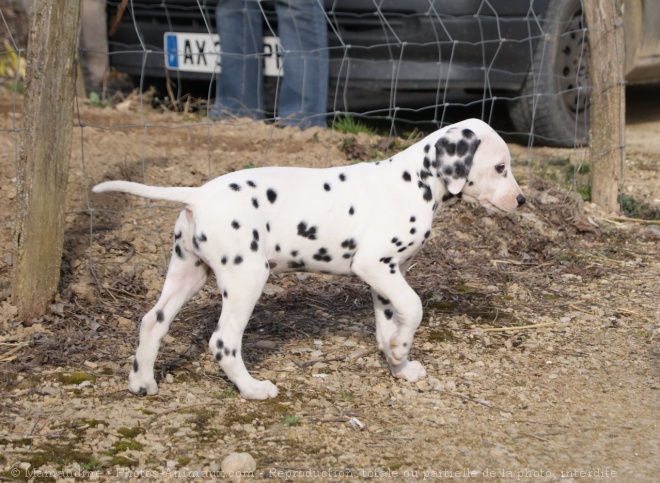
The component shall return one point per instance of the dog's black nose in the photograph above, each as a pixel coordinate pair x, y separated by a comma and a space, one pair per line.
521, 199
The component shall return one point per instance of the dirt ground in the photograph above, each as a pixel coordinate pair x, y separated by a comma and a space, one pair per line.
540, 331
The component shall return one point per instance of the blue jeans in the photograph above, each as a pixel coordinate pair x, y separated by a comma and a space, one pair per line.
303, 89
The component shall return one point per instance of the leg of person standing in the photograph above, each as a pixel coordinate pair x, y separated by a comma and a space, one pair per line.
240, 82
94, 44
302, 97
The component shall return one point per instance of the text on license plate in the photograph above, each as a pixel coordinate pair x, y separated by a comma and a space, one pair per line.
190, 52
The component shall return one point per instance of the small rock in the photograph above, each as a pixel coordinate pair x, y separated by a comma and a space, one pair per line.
238, 463
90, 364
49, 390
169, 378
24, 466
266, 344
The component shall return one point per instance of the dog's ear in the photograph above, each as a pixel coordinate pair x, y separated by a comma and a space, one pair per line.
454, 154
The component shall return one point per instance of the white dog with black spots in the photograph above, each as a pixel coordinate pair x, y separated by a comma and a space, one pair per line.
367, 220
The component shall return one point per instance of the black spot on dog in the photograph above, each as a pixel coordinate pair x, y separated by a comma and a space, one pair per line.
351, 211
322, 256
350, 244
395, 240
238, 260
179, 252
235, 187
306, 232
462, 148
460, 170
254, 246
413, 231
392, 268
383, 300
202, 237
218, 356
402, 249
194, 242
235, 225
277, 248
268, 227
251, 184
224, 294
428, 196
220, 344
135, 365
342, 177
412, 219
470, 183
271, 195
233, 352
255, 202
388, 314
406, 176
227, 351
427, 162
255, 235
467, 134
427, 148
199, 262
347, 255
160, 316
425, 174
294, 253
386, 259
177, 236
447, 197
326, 186
223, 260
427, 234
296, 265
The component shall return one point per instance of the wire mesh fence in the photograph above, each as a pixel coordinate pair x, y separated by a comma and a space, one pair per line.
156, 105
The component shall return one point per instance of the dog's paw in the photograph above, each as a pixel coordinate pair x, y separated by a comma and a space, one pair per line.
411, 371
259, 390
142, 388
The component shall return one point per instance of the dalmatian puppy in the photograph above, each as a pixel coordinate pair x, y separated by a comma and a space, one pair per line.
367, 220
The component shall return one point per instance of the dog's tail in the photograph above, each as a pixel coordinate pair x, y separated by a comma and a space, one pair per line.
180, 194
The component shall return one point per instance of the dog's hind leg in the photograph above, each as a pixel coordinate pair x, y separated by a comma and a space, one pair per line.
241, 288
186, 275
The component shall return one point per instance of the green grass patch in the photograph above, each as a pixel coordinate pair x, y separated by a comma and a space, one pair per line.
633, 208
76, 378
351, 125
290, 420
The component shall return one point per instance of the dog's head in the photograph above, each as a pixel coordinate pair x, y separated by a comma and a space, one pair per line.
474, 162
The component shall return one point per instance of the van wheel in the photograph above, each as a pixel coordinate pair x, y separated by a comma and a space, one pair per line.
552, 108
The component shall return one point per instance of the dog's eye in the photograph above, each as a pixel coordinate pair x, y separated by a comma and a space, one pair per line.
500, 168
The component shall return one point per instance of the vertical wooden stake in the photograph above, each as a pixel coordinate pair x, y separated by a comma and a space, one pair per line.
44, 153
607, 100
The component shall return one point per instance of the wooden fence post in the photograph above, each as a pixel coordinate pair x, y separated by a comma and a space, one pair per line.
44, 154
607, 100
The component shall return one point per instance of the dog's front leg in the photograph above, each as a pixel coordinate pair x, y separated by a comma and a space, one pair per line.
398, 312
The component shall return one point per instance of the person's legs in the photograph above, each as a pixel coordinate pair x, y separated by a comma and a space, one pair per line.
240, 83
94, 44
302, 28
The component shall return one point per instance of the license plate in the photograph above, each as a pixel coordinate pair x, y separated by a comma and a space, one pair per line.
190, 52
